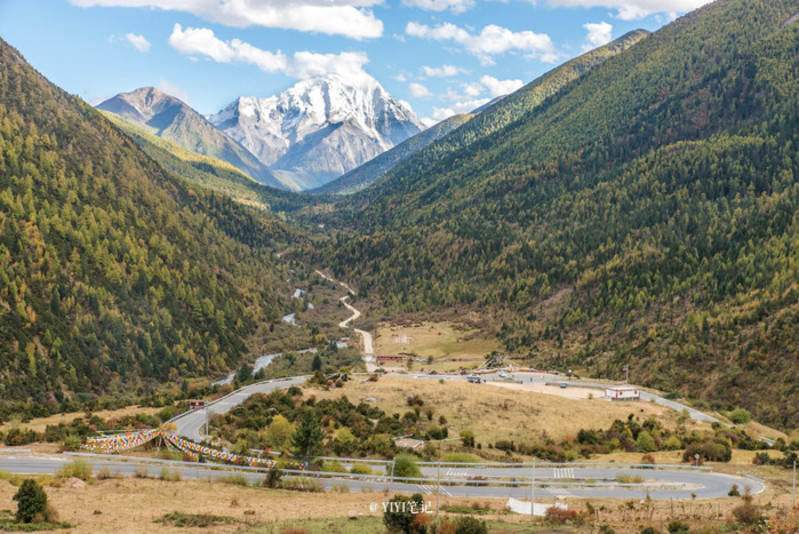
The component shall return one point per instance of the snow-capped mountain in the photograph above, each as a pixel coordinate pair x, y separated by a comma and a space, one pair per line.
319, 128
173, 119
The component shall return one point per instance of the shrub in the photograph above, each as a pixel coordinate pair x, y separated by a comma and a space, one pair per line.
467, 437
400, 513
78, 468
560, 515
505, 445
104, 473
405, 466
437, 432
272, 479
678, 527
141, 472
414, 400
333, 466
740, 416
71, 444
711, 451
645, 442
301, 484
340, 488
31, 502
360, 469
747, 513
734, 491
470, 525
169, 475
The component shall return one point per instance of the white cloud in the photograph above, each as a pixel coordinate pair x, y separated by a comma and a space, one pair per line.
473, 89
418, 90
350, 18
171, 89
635, 9
492, 40
428, 121
202, 42
500, 87
466, 106
305, 65
444, 71
600, 33
456, 6
139, 42
401, 78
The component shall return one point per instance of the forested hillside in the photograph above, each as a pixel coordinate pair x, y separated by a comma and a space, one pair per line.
645, 214
211, 173
508, 110
114, 275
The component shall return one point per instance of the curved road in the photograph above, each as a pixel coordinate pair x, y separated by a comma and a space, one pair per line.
567, 480
189, 424
368, 344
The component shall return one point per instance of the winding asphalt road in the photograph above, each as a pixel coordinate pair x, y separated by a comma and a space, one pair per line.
563, 481
189, 424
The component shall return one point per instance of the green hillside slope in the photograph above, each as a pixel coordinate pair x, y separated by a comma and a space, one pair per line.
210, 173
510, 109
645, 214
114, 275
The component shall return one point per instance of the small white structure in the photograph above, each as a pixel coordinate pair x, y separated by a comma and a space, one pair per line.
539, 509
622, 393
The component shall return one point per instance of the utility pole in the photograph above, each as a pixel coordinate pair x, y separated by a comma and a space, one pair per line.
438, 479
390, 479
532, 492
794, 484
626, 370
206, 419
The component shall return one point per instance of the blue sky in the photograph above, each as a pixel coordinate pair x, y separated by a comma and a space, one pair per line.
441, 56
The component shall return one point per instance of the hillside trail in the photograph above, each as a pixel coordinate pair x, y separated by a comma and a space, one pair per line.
368, 342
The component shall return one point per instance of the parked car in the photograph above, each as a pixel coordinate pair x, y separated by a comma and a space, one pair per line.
474, 379
563, 385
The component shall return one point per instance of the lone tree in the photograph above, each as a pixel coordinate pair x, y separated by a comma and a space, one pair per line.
307, 439
32, 502
316, 364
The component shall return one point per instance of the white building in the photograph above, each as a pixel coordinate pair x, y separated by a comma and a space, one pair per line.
622, 393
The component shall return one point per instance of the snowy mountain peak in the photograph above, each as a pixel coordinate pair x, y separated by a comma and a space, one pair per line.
319, 128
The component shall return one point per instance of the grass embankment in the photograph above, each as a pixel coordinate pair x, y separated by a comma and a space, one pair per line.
494, 413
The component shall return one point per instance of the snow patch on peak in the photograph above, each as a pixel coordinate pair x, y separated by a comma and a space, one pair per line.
320, 127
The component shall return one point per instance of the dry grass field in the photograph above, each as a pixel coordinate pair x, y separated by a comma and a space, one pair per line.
443, 342
132, 505
497, 412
